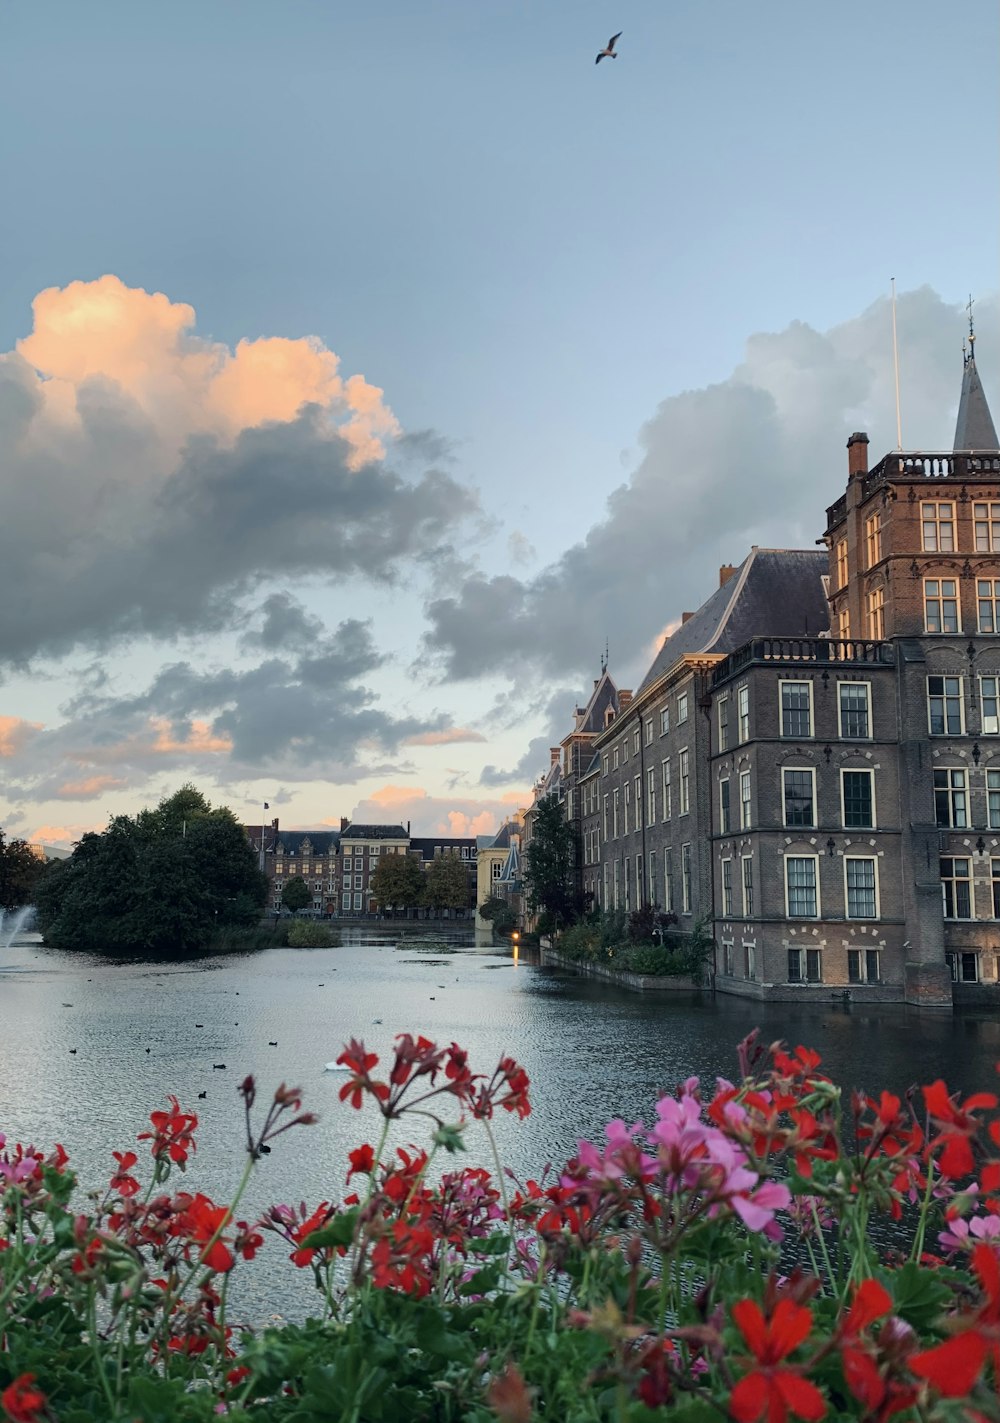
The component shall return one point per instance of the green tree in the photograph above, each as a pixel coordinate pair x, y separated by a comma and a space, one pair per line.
20, 871
398, 882
296, 894
498, 912
447, 883
162, 881
549, 865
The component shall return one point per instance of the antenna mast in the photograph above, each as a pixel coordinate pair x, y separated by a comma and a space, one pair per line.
895, 365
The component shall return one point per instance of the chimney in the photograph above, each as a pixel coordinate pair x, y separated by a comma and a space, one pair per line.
857, 455
554, 752
624, 698
685, 617
407, 830
344, 823
725, 573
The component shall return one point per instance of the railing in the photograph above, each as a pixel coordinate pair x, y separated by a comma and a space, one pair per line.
921, 464
850, 651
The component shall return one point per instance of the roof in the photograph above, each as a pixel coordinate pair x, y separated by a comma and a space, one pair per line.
484, 842
592, 719
511, 871
974, 429
425, 845
374, 832
321, 842
502, 840
775, 592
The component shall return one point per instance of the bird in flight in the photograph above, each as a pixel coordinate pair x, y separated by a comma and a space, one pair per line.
608, 52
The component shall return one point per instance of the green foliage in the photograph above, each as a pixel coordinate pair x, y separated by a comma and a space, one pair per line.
20, 872
311, 934
603, 938
498, 912
447, 883
295, 894
165, 881
549, 866
398, 882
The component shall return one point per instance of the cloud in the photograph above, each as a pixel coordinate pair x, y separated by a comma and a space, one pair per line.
15, 733
62, 834
152, 477
752, 460
449, 736
90, 789
433, 815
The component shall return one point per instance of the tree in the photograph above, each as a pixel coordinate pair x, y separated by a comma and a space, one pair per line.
163, 881
397, 882
296, 894
447, 883
20, 871
498, 912
549, 863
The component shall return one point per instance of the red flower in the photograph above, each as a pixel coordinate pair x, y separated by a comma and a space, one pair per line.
770, 1390
958, 1126
401, 1259
121, 1181
954, 1366
360, 1064
320, 1216
362, 1159
199, 1221
247, 1241
171, 1134
802, 1063
871, 1301
22, 1402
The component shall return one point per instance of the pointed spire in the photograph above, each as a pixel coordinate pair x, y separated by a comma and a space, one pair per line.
974, 429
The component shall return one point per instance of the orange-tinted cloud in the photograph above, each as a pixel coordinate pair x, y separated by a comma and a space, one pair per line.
61, 834
143, 343
90, 788
15, 733
451, 737
200, 737
434, 815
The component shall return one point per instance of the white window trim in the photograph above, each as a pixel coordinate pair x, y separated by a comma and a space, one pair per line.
683, 700
746, 824
815, 817
866, 918
726, 781
803, 918
687, 884
744, 861
840, 712
683, 782
741, 740
723, 702
727, 911
946, 676
860, 771
796, 682
666, 786
994, 677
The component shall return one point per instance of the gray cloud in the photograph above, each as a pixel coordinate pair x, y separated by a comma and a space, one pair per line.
753, 460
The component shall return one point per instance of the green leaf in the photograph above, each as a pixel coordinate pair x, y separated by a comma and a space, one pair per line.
339, 1231
450, 1137
920, 1296
483, 1281
434, 1337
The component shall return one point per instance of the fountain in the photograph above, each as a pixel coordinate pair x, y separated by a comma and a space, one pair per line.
14, 922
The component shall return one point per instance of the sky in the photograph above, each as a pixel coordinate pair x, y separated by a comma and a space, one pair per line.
365, 369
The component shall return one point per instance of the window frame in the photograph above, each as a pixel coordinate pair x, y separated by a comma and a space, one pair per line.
743, 714
858, 771
725, 806
866, 687
686, 879
936, 598
814, 861
944, 678
684, 781
682, 708
994, 697
840, 558
813, 958
809, 771
993, 806
650, 796
783, 685
726, 880
746, 801
955, 879
746, 881
993, 600
862, 918
665, 719
668, 879
667, 789
947, 795
875, 609
986, 512
937, 522
873, 539
722, 722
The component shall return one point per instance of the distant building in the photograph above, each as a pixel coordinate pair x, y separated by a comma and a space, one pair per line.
499, 868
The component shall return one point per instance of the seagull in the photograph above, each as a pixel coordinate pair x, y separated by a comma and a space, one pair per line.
202, 1094
608, 52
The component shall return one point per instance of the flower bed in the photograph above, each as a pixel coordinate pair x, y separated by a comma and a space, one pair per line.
716, 1264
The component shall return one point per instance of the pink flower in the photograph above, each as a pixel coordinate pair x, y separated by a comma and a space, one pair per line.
963, 1234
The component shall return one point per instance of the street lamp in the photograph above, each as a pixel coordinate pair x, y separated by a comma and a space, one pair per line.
515, 939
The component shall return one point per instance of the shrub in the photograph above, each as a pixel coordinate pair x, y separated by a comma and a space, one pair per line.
310, 934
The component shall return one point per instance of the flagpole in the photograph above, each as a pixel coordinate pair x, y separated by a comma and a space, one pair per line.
264, 807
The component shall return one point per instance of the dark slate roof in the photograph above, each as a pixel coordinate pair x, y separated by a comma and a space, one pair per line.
502, 839
511, 871
591, 718
974, 429
425, 845
594, 764
374, 832
776, 592
323, 842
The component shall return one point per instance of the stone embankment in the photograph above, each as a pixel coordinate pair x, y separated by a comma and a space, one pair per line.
634, 982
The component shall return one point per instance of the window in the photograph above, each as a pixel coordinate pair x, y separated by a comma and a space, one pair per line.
624, 749
937, 522
605, 817
683, 782
614, 872
747, 887
940, 605
639, 891
666, 789
359, 881
627, 886
989, 702
800, 886
728, 951
841, 563
496, 869
995, 880
648, 725
348, 867
951, 798
744, 800
749, 961
345, 901
635, 739
653, 887
727, 888
876, 614
804, 966
651, 796
944, 706
279, 869
964, 966
845, 622
628, 802
988, 603
993, 799
614, 813
796, 709
873, 539
724, 723
863, 966
854, 715
798, 795
682, 708
668, 880
616, 758
664, 721
686, 879
987, 522
724, 820
743, 714
604, 764
858, 792
358, 901
956, 887
862, 893
375, 849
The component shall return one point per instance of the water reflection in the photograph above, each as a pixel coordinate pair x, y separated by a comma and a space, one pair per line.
592, 1052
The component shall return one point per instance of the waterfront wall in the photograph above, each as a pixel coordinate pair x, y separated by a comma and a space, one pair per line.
634, 982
